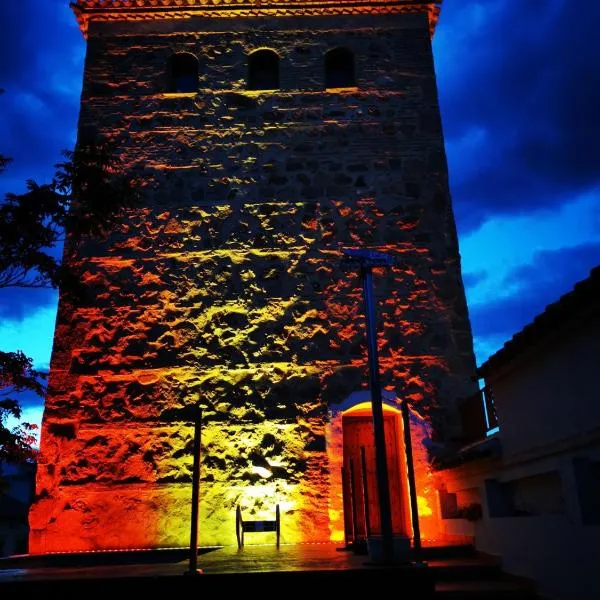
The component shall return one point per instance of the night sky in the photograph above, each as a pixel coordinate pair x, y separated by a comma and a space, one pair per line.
519, 86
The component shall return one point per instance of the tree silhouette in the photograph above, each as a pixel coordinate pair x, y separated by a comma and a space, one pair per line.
16, 375
87, 195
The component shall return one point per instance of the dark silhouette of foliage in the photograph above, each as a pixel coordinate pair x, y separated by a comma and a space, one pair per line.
85, 198
4, 160
88, 194
16, 375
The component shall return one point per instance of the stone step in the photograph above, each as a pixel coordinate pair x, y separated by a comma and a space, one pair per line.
476, 576
467, 568
428, 553
504, 588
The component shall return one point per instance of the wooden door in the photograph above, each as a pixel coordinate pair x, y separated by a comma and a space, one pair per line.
358, 432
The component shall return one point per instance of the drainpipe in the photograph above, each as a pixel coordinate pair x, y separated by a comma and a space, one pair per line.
412, 486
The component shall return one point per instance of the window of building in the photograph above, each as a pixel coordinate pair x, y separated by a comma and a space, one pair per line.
540, 494
339, 68
183, 73
263, 70
461, 504
587, 478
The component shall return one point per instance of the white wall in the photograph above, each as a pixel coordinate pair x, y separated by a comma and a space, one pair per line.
558, 551
560, 556
553, 394
548, 406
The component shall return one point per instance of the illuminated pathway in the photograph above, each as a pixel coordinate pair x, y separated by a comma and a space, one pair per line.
459, 575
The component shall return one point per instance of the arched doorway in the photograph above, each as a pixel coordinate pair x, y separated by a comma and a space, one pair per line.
360, 493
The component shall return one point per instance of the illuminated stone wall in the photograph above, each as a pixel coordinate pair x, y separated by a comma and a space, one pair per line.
225, 288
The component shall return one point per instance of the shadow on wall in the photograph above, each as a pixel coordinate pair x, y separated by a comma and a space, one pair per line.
15, 500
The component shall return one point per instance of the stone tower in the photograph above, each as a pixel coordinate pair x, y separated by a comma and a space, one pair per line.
270, 134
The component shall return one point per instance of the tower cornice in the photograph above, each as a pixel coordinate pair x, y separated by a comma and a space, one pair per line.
145, 10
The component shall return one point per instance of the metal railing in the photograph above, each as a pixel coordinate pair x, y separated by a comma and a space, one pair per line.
478, 415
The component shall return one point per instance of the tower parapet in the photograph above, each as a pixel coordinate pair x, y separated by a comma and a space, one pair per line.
118, 10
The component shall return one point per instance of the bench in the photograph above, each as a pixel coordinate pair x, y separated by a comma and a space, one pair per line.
242, 526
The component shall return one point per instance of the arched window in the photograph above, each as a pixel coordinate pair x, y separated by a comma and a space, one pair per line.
263, 70
339, 68
183, 73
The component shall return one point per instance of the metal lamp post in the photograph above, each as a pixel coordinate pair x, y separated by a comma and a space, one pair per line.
193, 555
367, 260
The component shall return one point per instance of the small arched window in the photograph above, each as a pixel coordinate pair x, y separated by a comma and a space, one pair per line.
183, 73
339, 68
263, 70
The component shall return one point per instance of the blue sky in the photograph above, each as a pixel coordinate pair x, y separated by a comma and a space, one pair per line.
519, 86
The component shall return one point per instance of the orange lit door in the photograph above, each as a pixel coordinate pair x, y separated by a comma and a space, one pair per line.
358, 432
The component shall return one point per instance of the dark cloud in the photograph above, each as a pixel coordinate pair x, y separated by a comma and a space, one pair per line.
470, 280
596, 219
41, 74
18, 303
29, 399
527, 78
544, 281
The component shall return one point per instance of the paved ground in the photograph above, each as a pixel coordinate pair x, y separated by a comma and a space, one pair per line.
255, 569
225, 560
455, 573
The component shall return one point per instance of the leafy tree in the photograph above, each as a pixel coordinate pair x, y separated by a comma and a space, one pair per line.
16, 375
87, 195
85, 198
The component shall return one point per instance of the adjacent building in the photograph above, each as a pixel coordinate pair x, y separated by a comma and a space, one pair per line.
530, 491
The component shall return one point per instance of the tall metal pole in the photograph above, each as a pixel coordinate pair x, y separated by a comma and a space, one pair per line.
383, 486
193, 566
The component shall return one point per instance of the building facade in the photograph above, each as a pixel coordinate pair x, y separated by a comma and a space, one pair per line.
537, 479
269, 136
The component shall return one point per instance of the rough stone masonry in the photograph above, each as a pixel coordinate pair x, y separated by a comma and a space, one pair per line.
226, 288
